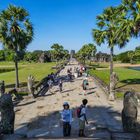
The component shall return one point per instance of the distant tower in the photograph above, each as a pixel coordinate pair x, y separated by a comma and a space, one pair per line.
72, 53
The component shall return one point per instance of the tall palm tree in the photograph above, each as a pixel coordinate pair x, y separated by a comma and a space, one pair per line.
16, 31
108, 23
130, 25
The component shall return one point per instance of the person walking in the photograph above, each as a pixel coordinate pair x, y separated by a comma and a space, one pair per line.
66, 117
85, 85
82, 118
60, 85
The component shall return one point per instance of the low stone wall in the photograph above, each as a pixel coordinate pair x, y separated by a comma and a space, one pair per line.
102, 85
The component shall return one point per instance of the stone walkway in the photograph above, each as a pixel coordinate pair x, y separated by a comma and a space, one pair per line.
40, 117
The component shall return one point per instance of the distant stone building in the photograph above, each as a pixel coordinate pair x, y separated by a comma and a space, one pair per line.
102, 57
72, 53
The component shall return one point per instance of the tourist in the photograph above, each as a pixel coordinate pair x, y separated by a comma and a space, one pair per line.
60, 85
69, 72
52, 77
66, 117
82, 118
85, 84
50, 83
77, 71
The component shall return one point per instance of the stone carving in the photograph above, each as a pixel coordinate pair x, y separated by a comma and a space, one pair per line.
2, 87
129, 112
38, 89
31, 81
7, 114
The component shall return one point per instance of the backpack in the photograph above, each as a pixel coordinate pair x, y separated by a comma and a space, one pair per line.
78, 111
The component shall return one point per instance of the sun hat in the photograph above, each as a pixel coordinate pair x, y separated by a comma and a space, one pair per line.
65, 104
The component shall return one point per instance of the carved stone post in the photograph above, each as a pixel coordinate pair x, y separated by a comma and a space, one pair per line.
129, 112
2, 88
7, 114
31, 81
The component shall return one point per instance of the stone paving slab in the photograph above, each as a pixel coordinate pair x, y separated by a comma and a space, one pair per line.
40, 117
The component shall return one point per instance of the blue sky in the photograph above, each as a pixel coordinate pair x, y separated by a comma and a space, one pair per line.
67, 22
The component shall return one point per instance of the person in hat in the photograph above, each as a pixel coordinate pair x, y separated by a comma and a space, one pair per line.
66, 117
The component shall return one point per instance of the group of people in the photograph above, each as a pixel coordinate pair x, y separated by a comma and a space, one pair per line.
67, 114
51, 80
67, 118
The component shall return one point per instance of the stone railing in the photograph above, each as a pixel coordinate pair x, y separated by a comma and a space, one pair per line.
42, 87
102, 84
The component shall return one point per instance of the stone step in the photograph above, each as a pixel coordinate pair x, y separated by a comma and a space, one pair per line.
103, 135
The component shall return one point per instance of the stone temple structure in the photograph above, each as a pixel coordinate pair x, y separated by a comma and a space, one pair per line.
102, 57
72, 53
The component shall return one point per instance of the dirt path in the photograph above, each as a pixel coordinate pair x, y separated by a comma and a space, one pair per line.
40, 117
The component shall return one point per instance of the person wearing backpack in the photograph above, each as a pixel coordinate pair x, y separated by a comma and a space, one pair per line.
81, 113
66, 117
85, 84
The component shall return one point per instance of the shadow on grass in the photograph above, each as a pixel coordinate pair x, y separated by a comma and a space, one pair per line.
22, 84
131, 81
102, 124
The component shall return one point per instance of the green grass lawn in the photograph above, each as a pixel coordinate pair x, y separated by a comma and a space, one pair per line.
38, 70
98, 65
127, 77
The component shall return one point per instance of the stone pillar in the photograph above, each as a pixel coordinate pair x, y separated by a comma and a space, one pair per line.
2, 88
130, 111
30, 83
7, 114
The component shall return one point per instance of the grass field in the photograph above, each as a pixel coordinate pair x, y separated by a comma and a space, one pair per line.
38, 70
128, 78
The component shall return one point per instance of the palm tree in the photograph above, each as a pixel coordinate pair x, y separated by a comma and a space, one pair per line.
87, 51
57, 51
16, 31
108, 24
91, 51
130, 25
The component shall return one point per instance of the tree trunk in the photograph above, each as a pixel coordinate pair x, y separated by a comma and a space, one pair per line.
16, 69
111, 89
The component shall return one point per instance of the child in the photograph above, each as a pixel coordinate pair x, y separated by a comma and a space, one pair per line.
66, 116
83, 118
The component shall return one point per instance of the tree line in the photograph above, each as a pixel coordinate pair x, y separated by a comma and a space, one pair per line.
16, 33
54, 54
129, 56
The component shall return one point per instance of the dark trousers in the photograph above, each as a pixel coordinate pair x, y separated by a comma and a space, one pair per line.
60, 88
66, 129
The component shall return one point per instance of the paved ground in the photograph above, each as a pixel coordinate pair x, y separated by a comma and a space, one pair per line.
41, 118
